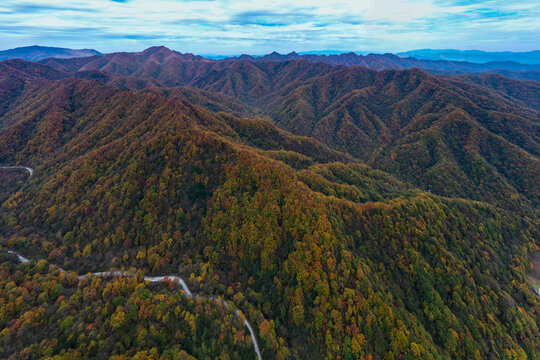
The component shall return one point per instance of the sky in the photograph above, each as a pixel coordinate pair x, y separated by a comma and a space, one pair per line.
230, 27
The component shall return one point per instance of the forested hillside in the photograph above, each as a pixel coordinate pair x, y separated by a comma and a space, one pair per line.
453, 138
350, 213
123, 318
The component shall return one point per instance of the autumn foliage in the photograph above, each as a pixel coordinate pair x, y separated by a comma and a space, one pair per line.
349, 213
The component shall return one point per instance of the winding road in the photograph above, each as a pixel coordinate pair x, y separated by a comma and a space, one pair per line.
175, 279
30, 170
172, 278
536, 264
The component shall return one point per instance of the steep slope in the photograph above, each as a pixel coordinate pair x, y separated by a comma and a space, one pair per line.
12, 179
19, 69
434, 132
330, 257
369, 114
250, 81
244, 79
15, 76
70, 65
212, 101
526, 93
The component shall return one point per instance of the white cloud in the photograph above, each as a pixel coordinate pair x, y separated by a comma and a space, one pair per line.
236, 26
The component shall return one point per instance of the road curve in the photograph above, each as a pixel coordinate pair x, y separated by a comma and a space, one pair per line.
172, 278
22, 259
30, 170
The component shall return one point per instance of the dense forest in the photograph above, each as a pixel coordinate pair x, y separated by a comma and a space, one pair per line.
349, 213
12, 180
50, 314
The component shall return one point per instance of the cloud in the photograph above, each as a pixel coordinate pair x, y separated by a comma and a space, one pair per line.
236, 26
272, 18
123, 36
29, 8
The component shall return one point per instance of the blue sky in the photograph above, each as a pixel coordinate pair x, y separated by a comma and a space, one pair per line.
257, 27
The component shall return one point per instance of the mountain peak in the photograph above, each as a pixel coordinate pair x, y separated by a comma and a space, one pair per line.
157, 49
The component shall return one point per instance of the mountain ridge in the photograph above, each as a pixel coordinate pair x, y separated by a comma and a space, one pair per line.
361, 114
120, 63
477, 56
36, 53
391, 61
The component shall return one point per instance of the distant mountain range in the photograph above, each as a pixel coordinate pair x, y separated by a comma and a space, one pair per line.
36, 53
476, 56
520, 66
391, 61
330, 52
175, 68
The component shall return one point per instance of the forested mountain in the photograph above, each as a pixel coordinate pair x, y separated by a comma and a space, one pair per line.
143, 64
436, 133
407, 122
35, 53
390, 61
519, 75
173, 68
350, 213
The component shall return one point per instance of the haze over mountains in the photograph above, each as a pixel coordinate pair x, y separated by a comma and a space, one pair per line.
476, 56
521, 66
35, 53
390, 61
352, 206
